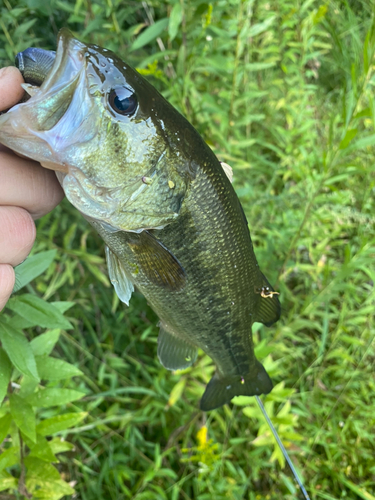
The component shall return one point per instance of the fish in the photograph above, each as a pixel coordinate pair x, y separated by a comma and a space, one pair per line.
162, 202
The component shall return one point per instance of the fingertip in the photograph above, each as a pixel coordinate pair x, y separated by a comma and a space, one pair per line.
10, 87
17, 235
7, 280
51, 193
25, 183
24, 232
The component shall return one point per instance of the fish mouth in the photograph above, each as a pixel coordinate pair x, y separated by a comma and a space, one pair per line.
56, 117
61, 82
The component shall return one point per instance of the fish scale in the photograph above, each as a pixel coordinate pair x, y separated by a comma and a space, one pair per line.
158, 196
225, 338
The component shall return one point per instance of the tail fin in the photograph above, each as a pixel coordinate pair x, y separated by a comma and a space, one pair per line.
221, 390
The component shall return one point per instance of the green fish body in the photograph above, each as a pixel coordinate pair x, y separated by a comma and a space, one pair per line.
171, 221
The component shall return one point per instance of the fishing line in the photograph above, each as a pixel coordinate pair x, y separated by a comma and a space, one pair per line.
282, 448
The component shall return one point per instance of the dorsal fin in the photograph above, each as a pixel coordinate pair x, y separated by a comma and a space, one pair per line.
268, 309
228, 170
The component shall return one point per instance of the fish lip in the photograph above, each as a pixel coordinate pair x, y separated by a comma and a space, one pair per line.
69, 61
55, 118
58, 125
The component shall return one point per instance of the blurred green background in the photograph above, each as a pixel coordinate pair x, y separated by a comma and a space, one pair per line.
282, 90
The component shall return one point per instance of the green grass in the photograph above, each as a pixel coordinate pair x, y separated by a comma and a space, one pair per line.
282, 91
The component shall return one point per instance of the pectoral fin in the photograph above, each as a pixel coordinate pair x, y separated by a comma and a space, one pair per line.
122, 284
268, 307
173, 352
159, 265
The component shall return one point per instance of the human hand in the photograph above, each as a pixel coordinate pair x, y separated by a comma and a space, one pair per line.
27, 191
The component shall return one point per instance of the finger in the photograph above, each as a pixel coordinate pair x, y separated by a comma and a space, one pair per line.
24, 183
7, 279
10, 87
17, 235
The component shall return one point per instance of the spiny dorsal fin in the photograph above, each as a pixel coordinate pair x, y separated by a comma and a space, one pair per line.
159, 265
228, 170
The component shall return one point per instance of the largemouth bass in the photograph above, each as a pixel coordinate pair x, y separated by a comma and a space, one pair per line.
150, 186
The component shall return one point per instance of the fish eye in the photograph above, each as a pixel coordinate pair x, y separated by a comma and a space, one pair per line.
123, 101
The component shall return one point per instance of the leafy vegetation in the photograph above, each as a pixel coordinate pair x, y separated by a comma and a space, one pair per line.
283, 91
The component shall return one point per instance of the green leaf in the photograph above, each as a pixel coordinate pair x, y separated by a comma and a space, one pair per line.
32, 267
337, 178
242, 400
98, 273
43, 450
5, 374
16, 12
45, 398
38, 311
44, 480
8, 483
365, 53
55, 369
59, 423
58, 445
64, 6
149, 34
20, 323
258, 28
23, 28
28, 386
364, 113
5, 422
175, 20
258, 66
9, 457
250, 411
23, 416
289, 484
350, 134
361, 492
362, 143
63, 305
39, 469
44, 343
18, 349
177, 391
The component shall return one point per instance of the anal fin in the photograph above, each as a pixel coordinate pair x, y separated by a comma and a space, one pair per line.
122, 284
175, 353
221, 389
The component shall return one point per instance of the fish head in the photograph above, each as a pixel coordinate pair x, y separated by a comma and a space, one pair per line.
99, 124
